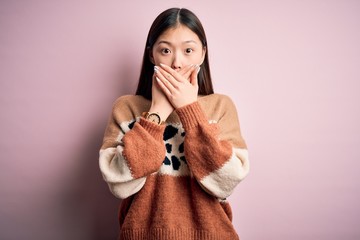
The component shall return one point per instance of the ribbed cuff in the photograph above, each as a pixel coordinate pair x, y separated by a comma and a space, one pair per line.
157, 131
165, 234
191, 115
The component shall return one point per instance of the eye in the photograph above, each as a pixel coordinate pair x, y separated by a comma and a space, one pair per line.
165, 51
189, 50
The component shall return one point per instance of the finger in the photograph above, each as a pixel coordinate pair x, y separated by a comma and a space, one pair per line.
194, 74
166, 77
188, 73
178, 77
163, 88
154, 82
185, 70
183, 75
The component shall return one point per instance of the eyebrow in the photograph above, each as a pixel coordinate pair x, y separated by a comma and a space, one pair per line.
169, 43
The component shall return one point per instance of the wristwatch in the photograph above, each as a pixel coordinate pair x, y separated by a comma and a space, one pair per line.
152, 117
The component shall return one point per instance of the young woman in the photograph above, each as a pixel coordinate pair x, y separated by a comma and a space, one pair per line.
174, 152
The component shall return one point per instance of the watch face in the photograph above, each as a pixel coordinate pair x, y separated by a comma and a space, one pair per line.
153, 117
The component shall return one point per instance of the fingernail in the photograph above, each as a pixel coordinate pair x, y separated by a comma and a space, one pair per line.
157, 79
156, 68
198, 68
163, 65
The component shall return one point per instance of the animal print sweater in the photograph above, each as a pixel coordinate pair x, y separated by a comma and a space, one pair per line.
174, 178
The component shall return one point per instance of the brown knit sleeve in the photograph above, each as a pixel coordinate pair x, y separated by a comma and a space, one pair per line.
144, 149
216, 153
132, 149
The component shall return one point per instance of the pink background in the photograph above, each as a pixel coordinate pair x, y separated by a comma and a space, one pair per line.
292, 68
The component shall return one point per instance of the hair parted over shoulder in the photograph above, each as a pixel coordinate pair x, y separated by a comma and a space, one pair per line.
171, 18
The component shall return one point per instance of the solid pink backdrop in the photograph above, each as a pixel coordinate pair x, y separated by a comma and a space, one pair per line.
291, 67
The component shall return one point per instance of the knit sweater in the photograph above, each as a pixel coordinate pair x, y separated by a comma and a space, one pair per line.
174, 178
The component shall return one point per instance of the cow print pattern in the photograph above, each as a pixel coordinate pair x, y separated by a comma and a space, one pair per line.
174, 145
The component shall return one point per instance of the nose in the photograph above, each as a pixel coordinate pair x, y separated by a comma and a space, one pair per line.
176, 62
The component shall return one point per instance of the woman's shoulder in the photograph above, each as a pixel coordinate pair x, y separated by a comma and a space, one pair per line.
129, 106
130, 101
217, 99
216, 106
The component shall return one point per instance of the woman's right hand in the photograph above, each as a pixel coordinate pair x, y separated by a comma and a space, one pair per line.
160, 103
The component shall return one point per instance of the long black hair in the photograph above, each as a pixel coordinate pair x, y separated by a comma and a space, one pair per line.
171, 18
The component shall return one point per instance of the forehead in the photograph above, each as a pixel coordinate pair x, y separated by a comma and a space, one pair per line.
177, 34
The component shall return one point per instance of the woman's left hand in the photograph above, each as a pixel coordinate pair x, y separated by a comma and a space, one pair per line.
180, 88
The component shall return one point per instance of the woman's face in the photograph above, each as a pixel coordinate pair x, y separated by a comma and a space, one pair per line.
178, 47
